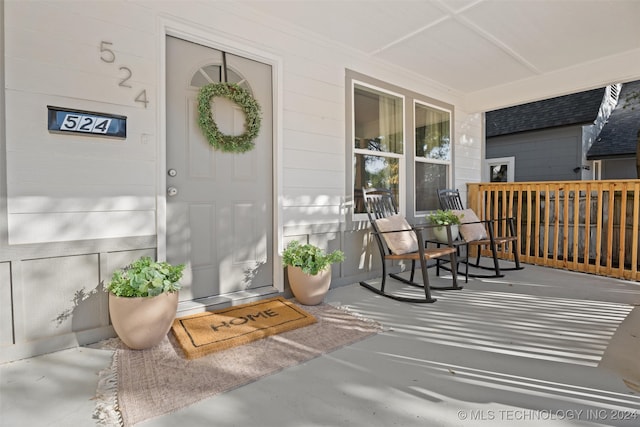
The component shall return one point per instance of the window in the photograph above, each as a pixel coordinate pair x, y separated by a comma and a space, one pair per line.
432, 155
378, 127
398, 140
597, 170
500, 169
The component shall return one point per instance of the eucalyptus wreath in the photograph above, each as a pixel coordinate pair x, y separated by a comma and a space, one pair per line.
250, 107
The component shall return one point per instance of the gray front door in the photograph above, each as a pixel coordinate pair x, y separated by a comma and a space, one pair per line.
219, 209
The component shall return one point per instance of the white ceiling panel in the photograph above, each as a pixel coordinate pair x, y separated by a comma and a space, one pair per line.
492, 52
562, 33
364, 25
453, 55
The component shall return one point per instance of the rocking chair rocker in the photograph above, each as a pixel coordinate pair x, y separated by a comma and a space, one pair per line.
397, 240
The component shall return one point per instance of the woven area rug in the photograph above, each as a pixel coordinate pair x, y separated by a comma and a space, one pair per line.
204, 333
146, 384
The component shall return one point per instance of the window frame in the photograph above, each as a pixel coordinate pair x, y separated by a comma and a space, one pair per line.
423, 159
406, 178
401, 157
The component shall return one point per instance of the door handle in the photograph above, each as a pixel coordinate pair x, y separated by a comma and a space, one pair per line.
172, 191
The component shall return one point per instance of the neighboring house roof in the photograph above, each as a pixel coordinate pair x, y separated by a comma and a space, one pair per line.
619, 136
577, 108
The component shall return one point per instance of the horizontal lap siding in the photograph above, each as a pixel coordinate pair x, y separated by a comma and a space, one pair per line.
63, 187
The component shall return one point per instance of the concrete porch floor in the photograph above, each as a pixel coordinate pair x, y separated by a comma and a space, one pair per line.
537, 347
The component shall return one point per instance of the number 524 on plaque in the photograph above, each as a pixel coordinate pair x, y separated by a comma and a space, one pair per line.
85, 122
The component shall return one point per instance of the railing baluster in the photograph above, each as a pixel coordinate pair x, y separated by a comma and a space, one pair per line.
586, 254
536, 224
576, 226
547, 206
622, 229
599, 227
635, 233
528, 232
612, 215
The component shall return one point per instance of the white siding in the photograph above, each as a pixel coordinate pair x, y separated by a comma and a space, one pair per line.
468, 150
68, 187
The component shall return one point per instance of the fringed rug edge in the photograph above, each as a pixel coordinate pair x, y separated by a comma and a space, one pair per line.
107, 412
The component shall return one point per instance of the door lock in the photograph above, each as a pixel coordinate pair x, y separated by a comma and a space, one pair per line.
172, 172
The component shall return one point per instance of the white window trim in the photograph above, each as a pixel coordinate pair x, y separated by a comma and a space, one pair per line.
509, 161
596, 169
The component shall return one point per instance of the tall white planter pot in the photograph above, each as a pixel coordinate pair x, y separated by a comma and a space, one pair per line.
142, 322
440, 233
309, 289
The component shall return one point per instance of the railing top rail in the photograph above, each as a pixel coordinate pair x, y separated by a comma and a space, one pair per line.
551, 183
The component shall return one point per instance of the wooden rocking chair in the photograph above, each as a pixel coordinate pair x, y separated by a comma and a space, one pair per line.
397, 240
481, 233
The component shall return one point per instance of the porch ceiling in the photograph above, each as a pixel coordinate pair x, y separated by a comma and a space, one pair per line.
492, 53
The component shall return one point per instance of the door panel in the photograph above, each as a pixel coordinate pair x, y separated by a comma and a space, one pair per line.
220, 221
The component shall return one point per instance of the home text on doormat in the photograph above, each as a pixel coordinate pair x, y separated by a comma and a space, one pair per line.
204, 333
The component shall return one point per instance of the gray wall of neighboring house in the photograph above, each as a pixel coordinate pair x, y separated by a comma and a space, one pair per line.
546, 155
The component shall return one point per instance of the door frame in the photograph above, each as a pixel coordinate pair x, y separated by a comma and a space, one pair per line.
216, 40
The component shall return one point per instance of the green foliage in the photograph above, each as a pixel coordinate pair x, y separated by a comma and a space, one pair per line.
145, 278
250, 107
309, 258
444, 217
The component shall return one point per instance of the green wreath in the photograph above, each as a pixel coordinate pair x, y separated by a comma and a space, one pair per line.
250, 107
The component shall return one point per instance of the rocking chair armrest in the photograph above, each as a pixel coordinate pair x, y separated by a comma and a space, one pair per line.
372, 231
418, 230
506, 218
413, 228
421, 227
510, 220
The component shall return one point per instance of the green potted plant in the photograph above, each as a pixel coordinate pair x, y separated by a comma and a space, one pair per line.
445, 217
309, 271
143, 301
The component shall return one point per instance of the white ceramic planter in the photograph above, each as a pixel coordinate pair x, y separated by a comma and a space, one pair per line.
309, 289
143, 322
440, 233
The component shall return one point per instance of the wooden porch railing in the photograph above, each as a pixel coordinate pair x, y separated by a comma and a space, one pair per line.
585, 226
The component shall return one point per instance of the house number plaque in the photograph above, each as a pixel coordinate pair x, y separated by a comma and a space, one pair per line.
66, 120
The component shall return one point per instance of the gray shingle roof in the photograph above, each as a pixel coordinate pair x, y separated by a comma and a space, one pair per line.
577, 108
619, 135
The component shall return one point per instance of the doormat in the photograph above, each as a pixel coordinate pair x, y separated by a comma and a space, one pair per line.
204, 333
144, 384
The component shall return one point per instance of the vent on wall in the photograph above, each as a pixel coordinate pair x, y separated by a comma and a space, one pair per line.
613, 91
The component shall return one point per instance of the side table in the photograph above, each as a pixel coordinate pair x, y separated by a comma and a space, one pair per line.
458, 243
